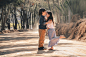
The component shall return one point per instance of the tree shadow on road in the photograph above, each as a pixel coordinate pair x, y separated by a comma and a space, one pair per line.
16, 50
43, 51
16, 38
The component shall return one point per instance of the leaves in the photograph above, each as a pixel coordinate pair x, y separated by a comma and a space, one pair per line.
6, 2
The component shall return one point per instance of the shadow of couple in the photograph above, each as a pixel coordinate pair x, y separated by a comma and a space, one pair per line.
45, 51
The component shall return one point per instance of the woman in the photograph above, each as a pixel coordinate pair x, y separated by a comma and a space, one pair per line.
51, 31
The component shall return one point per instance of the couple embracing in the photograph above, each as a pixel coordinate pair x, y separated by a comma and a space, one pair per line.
46, 22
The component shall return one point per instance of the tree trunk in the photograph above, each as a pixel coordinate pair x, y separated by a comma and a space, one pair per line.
2, 18
15, 18
6, 15
69, 15
58, 13
31, 20
49, 5
21, 17
27, 19
35, 14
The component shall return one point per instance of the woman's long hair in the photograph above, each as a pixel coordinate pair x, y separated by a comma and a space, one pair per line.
50, 17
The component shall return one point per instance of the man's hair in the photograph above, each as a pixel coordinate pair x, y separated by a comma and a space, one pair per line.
40, 11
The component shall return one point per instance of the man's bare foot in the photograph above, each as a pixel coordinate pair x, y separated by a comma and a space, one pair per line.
62, 36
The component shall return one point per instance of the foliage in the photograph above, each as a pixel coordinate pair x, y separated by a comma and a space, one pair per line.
76, 6
6, 2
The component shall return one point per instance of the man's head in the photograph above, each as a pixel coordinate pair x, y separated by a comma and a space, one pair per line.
42, 12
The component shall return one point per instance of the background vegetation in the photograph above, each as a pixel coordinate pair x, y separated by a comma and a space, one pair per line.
23, 14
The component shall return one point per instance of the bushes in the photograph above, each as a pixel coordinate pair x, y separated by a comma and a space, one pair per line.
76, 31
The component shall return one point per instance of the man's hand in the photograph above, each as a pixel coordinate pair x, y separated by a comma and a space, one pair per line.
48, 22
48, 28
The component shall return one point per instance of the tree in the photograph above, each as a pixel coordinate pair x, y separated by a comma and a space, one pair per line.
72, 4
48, 4
4, 4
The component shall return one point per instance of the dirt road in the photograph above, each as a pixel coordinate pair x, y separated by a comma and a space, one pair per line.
25, 44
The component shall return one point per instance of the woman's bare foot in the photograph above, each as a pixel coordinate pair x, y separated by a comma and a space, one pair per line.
51, 48
62, 36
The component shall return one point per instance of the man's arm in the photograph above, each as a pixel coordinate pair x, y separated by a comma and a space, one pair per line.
42, 22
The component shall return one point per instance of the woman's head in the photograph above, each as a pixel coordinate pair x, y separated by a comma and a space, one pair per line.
49, 14
42, 12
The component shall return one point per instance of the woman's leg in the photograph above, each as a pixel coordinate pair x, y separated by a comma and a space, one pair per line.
51, 35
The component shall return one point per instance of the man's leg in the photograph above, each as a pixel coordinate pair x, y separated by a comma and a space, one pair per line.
42, 37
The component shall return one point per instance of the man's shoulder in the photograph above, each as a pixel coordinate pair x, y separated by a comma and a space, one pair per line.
41, 16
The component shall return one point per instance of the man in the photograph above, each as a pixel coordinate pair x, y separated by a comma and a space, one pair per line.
42, 28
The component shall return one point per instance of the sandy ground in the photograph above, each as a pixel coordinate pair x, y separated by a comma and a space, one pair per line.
25, 44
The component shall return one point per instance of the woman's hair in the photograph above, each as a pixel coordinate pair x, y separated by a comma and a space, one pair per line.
40, 11
51, 16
